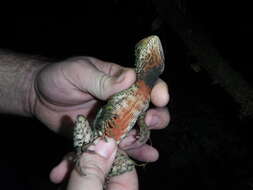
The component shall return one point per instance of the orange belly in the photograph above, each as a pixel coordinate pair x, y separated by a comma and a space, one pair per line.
135, 104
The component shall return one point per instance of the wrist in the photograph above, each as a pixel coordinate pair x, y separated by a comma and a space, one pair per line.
29, 85
17, 76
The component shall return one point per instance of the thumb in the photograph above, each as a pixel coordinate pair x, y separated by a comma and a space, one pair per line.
94, 165
102, 85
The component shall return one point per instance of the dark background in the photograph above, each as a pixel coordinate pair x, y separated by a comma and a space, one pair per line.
206, 146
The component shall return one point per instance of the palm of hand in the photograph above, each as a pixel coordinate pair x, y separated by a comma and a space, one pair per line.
58, 98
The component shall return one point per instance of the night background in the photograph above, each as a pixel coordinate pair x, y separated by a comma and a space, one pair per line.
207, 45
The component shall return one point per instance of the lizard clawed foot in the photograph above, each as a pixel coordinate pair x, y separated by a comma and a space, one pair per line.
133, 140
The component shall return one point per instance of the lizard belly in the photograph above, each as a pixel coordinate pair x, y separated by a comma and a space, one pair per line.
128, 112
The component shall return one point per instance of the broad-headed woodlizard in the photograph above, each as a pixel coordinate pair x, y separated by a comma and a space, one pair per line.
123, 109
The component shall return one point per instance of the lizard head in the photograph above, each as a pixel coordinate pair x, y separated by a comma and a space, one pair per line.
149, 58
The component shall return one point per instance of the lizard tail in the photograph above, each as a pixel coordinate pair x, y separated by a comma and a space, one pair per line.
149, 59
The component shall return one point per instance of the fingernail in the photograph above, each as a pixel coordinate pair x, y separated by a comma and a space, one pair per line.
105, 148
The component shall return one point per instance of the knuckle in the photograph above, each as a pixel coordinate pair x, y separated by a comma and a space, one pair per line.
103, 87
76, 62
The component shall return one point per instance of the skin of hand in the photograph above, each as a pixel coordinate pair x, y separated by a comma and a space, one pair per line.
75, 86
95, 164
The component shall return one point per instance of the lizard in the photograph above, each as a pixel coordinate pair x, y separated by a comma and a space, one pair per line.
119, 115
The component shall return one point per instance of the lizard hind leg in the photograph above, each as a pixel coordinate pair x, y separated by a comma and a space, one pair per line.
122, 164
144, 131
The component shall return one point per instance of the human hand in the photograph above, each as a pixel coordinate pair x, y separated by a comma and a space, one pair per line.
75, 86
96, 164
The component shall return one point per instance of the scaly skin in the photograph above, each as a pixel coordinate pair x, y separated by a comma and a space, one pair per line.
123, 109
